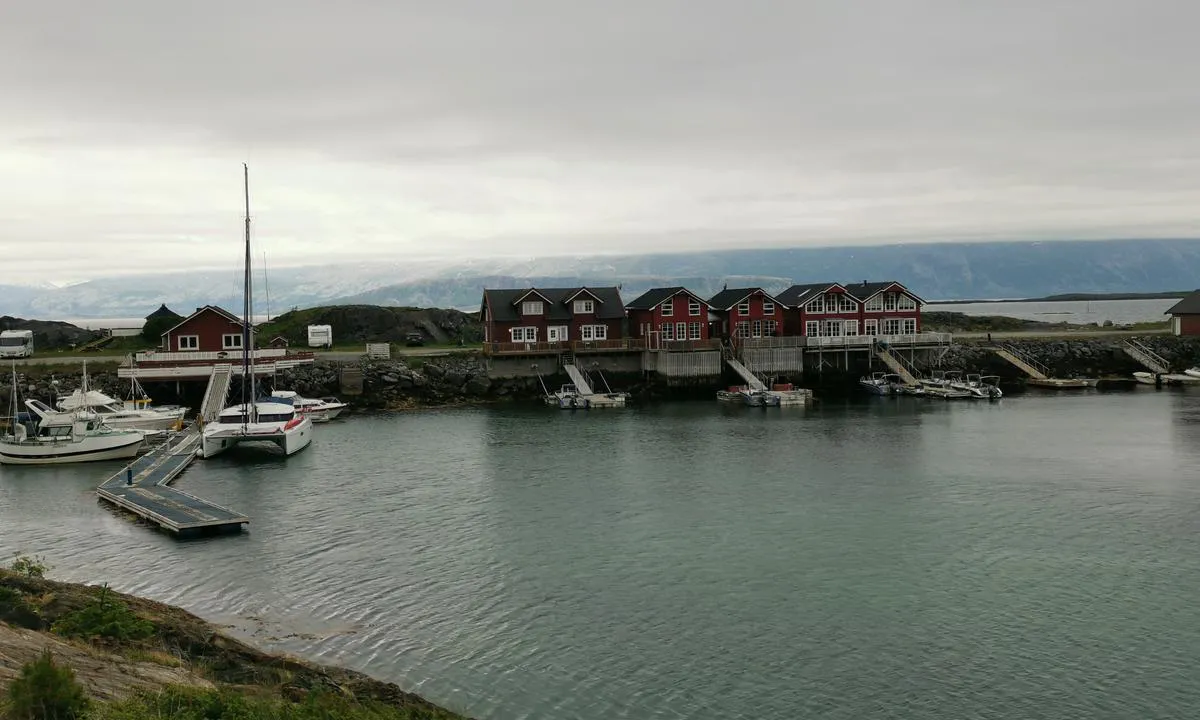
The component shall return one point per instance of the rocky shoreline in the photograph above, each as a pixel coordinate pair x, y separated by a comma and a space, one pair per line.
128, 652
462, 378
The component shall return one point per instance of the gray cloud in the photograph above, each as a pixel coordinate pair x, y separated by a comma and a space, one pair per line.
547, 126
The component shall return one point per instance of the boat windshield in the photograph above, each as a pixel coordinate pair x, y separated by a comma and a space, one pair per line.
241, 418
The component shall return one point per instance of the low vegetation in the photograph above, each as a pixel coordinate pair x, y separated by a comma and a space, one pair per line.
78, 652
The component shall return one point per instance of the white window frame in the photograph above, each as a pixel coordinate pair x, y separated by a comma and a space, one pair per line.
816, 305
667, 309
893, 326
593, 332
681, 330
188, 343
849, 304
693, 308
910, 326
558, 333
812, 328
768, 307
851, 328
904, 302
769, 328
524, 334
871, 327
832, 328
667, 330
742, 329
695, 331
584, 307
874, 304
889, 302
756, 328
743, 308
532, 307
235, 345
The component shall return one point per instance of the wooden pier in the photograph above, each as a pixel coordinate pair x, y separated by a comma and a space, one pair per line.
142, 488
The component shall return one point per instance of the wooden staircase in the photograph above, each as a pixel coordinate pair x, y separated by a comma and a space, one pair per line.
1151, 360
1022, 362
907, 372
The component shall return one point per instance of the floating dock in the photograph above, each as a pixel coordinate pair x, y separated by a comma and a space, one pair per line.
142, 489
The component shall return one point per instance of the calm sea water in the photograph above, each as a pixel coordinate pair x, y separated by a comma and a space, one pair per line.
1081, 312
882, 557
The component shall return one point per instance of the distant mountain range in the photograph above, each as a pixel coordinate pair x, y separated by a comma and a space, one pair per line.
943, 271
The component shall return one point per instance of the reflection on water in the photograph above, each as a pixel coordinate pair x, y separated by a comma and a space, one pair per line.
864, 558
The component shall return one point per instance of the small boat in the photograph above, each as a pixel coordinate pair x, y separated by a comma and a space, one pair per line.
116, 414
318, 411
978, 386
1193, 371
1063, 383
882, 383
60, 438
1145, 378
749, 396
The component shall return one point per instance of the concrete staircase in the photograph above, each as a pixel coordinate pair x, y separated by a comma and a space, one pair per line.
898, 365
582, 386
214, 396
1023, 362
1151, 360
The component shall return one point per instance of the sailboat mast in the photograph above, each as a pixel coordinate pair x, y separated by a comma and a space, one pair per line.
247, 328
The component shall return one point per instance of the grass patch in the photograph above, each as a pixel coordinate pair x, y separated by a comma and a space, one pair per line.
104, 617
192, 704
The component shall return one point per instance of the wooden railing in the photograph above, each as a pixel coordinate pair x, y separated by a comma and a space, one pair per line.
234, 357
575, 346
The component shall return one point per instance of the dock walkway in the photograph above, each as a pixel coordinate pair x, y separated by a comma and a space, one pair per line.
142, 488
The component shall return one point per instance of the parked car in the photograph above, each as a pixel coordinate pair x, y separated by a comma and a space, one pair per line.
414, 339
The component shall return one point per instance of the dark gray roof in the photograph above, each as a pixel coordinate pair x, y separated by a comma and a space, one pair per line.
864, 290
732, 296
163, 311
504, 302
657, 296
796, 294
1190, 305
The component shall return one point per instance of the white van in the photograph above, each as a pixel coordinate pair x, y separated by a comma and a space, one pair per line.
16, 343
320, 336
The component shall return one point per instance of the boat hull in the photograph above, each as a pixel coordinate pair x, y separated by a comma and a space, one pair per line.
114, 446
288, 439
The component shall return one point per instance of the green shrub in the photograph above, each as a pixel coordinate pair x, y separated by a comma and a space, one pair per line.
16, 610
104, 617
31, 567
46, 691
179, 703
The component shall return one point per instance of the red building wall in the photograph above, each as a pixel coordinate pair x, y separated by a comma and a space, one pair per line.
1189, 324
680, 313
210, 326
757, 300
801, 317
502, 331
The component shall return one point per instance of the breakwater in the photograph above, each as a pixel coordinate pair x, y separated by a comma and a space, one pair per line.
1085, 357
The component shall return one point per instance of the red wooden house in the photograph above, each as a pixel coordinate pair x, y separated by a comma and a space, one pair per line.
747, 313
674, 313
1185, 315
836, 310
209, 329
552, 315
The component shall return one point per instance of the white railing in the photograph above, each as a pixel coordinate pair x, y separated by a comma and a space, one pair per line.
849, 341
226, 355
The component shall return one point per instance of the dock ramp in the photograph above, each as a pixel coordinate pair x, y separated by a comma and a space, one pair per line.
898, 365
1149, 359
751, 379
582, 386
218, 389
1023, 362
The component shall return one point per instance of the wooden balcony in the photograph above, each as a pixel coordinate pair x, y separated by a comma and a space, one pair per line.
850, 342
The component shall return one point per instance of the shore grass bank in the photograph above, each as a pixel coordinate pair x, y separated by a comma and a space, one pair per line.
104, 655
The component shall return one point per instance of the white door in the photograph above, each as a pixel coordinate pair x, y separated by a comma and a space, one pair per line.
557, 333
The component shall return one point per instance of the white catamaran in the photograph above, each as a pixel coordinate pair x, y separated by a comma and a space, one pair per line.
260, 422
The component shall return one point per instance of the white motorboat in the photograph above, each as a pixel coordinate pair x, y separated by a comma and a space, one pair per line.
59, 438
1193, 371
749, 396
254, 422
882, 383
116, 414
568, 397
979, 386
322, 410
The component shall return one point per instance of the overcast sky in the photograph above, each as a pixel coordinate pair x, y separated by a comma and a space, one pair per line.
433, 128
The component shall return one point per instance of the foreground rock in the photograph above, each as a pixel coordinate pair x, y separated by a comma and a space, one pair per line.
182, 650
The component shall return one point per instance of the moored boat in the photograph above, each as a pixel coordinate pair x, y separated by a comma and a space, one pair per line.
317, 410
